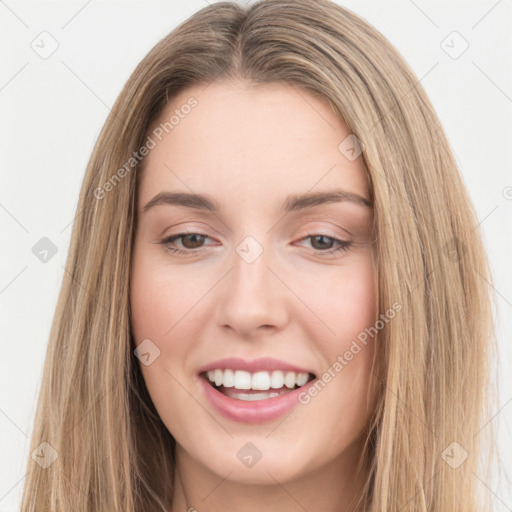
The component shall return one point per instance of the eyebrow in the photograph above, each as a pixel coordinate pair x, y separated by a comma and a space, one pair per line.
293, 202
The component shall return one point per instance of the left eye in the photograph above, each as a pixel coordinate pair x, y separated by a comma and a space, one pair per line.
343, 245
196, 240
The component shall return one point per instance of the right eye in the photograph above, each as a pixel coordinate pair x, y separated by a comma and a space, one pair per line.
195, 241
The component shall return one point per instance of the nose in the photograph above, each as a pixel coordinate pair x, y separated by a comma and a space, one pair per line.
252, 298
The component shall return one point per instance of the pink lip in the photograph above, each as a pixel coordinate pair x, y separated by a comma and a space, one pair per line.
262, 364
258, 411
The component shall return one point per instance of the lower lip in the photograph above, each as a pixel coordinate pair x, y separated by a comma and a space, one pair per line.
257, 411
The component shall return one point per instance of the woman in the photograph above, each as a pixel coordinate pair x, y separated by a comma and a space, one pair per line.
208, 350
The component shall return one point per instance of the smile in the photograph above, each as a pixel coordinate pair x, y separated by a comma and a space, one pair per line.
253, 391
243, 385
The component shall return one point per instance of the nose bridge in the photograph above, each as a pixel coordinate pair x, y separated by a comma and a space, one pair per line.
250, 271
250, 249
252, 295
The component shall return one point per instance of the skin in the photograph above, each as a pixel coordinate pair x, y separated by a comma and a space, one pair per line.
249, 147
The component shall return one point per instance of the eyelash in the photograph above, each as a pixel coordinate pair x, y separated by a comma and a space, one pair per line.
343, 244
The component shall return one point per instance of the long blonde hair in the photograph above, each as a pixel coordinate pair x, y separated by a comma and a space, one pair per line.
112, 450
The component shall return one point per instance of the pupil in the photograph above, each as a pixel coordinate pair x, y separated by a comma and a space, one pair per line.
199, 239
328, 241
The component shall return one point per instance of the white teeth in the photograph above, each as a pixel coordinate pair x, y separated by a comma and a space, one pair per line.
242, 380
302, 378
251, 397
277, 379
228, 380
260, 381
289, 380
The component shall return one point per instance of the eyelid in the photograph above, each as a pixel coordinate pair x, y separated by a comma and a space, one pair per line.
320, 220
345, 236
188, 229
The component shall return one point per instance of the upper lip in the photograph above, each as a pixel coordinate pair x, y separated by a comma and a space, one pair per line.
261, 364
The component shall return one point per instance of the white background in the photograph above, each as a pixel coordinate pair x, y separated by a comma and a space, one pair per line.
52, 111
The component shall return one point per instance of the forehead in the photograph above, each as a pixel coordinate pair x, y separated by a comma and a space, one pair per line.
249, 141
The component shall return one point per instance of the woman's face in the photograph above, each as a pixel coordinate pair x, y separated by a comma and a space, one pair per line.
268, 271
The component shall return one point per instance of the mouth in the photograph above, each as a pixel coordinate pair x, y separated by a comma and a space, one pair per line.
261, 385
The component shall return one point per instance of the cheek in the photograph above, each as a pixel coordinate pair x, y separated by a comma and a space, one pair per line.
354, 315
343, 299
159, 313
346, 304
159, 300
